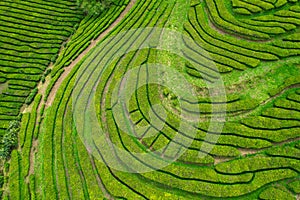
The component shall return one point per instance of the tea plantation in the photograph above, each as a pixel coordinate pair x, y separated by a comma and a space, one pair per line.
64, 69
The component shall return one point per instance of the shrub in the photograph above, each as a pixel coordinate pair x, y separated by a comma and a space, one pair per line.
95, 7
10, 139
276, 193
295, 186
31, 96
1, 180
43, 79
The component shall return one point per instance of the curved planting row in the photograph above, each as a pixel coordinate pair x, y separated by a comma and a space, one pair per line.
185, 177
246, 7
63, 168
223, 18
232, 56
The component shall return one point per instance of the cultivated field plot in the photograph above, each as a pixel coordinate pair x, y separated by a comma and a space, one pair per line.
150, 99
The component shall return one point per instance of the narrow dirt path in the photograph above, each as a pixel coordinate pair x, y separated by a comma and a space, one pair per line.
92, 45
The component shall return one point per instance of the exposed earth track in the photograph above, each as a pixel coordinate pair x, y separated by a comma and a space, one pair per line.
69, 68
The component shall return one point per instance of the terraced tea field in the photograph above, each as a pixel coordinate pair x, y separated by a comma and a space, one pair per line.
172, 99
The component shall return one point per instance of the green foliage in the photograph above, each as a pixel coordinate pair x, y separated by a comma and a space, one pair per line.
251, 5
89, 28
32, 187
259, 162
6, 167
276, 193
14, 176
32, 33
31, 96
95, 7
1, 181
10, 139
48, 71
64, 168
222, 16
216, 6
295, 186
43, 79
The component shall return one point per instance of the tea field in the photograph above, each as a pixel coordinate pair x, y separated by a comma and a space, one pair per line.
213, 106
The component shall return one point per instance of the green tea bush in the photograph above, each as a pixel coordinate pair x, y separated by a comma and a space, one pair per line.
10, 139
95, 6
276, 193
295, 186
31, 96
